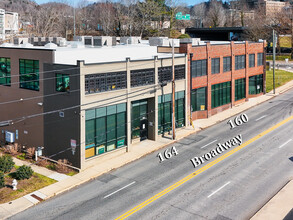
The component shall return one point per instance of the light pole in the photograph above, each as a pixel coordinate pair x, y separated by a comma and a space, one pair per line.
274, 59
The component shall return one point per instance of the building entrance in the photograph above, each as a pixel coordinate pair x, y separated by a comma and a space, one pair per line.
139, 119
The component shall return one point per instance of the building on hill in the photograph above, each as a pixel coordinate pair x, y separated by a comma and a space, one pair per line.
8, 23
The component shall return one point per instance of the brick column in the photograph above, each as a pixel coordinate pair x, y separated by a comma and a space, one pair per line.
246, 71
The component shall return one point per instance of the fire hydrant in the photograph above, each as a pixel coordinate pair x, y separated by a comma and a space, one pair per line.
14, 184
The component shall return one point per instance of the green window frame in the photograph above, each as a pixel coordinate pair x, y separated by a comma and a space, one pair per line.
165, 112
215, 65
106, 128
221, 94
29, 74
62, 82
239, 89
256, 84
199, 100
251, 60
5, 71
139, 110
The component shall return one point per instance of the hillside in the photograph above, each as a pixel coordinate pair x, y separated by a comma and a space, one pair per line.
20, 6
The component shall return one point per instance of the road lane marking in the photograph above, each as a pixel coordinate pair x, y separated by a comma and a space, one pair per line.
261, 117
119, 190
285, 143
192, 175
208, 144
218, 189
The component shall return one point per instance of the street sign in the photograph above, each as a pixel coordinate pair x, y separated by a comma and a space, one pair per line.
179, 16
73, 145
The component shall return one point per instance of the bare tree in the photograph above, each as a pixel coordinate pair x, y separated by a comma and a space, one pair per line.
199, 12
216, 14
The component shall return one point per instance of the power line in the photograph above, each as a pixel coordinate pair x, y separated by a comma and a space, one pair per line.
61, 93
72, 107
108, 131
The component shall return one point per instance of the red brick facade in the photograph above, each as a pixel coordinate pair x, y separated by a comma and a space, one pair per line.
210, 51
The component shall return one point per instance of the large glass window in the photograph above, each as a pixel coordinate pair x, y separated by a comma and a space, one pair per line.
29, 74
198, 97
256, 84
260, 60
226, 64
105, 82
165, 73
5, 71
221, 94
251, 60
142, 77
215, 65
105, 129
199, 68
239, 89
239, 62
165, 112
62, 82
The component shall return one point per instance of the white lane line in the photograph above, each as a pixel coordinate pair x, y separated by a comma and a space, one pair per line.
208, 144
219, 189
119, 190
285, 143
261, 117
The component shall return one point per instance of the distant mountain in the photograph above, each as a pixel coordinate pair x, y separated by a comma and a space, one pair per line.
20, 6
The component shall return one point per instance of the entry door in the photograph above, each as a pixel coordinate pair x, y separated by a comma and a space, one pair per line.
143, 129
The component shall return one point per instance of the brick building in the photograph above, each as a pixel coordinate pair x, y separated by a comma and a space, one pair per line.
223, 74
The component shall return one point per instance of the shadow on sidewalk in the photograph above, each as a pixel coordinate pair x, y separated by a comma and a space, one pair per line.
291, 158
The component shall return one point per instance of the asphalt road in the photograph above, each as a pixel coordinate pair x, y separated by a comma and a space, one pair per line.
233, 188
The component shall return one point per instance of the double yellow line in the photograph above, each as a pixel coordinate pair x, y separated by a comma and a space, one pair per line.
190, 176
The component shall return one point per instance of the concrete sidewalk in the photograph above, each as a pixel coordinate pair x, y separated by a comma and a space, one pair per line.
279, 206
109, 162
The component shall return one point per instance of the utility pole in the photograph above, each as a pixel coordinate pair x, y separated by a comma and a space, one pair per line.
190, 90
274, 58
173, 93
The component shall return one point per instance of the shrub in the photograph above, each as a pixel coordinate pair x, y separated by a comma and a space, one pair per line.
23, 172
11, 149
2, 180
6, 163
183, 36
30, 153
42, 162
61, 166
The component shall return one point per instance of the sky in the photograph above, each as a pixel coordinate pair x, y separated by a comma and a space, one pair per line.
188, 2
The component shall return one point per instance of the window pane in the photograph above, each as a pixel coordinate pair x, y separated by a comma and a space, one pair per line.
111, 127
100, 131
29, 74
90, 132
121, 125
5, 71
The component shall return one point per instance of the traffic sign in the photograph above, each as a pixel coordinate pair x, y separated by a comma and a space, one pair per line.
179, 16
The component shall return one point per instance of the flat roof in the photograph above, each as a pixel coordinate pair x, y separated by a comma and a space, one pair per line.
90, 55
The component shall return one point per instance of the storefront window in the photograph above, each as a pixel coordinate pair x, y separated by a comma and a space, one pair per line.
105, 129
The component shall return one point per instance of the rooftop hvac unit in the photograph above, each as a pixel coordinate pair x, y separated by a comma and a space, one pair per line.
97, 42
88, 41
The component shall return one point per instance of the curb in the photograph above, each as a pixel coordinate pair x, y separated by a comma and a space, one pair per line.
190, 132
